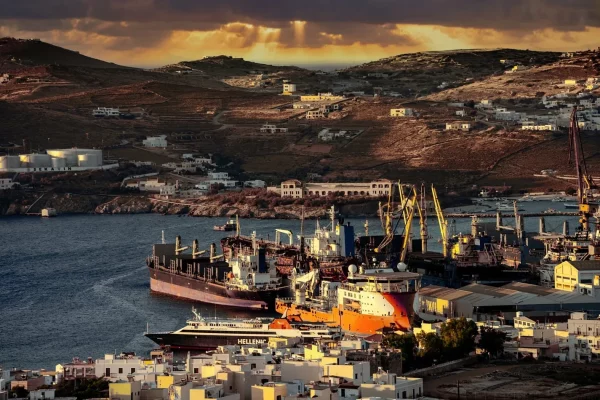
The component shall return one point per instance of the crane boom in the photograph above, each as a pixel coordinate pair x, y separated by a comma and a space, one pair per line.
408, 226
585, 183
441, 220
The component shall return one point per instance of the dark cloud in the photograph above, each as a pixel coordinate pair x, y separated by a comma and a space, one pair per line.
498, 14
144, 23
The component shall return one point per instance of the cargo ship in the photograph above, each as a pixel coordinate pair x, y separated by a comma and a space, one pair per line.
368, 302
246, 281
208, 334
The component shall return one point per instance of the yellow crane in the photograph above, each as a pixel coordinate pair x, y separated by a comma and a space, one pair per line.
409, 214
441, 220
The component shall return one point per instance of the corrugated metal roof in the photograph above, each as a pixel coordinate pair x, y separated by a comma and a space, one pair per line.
589, 265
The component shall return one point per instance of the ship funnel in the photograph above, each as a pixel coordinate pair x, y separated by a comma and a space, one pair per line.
566, 228
542, 229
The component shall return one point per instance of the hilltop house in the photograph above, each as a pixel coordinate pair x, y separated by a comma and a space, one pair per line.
401, 112
155, 141
272, 128
458, 126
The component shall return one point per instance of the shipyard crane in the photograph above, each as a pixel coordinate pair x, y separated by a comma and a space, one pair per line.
441, 220
422, 209
407, 228
585, 183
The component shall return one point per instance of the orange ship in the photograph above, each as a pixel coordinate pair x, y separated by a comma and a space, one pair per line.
366, 303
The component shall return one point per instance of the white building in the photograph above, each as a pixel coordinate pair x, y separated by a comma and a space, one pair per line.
42, 394
120, 367
255, 184
391, 386
155, 141
106, 112
6, 183
272, 128
544, 127
401, 112
317, 114
153, 184
461, 113
296, 189
321, 97
288, 88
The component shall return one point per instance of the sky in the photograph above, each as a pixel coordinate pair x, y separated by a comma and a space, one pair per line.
149, 33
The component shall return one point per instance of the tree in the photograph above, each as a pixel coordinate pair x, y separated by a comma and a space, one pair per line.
19, 392
458, 336
432, 347
571, 191
406, 344
491, 341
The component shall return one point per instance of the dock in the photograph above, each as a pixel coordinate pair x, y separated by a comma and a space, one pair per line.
511, 215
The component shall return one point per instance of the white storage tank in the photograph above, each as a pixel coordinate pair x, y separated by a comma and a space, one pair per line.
70, 155
25, 160
13, 161
40, 160
83, 160
9, 162
59, 163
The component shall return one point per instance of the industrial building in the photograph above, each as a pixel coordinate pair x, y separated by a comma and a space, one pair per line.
482, 302
55, 160
295, 189
578, 276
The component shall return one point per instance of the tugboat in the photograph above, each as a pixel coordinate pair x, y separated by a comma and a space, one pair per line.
246, 282
208, 334
231, 225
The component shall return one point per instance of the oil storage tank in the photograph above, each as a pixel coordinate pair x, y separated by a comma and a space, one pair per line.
40, 160
8, 163
59, 162
83, 160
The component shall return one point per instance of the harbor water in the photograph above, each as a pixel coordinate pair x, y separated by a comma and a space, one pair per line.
77, 286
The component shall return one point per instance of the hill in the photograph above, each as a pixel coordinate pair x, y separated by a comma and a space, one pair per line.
218, 105
33, 52
531, 82
427, 72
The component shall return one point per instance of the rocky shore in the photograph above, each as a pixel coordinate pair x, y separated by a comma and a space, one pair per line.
207, 207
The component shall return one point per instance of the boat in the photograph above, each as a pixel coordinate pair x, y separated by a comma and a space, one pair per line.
247, 281
208, 334
48, 212
368, 302
231, 225
571, 205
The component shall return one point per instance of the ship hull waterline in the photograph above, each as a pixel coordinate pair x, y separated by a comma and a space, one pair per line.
354, 321
206, 292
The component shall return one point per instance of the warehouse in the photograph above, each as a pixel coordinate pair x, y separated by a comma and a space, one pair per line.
482, 302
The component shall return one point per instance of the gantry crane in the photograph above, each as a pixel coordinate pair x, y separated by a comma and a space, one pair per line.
441, 220
585, 183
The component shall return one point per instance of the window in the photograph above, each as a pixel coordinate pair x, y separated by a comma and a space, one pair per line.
120, 370
132, 370
355, 376
107, 372
195, 370
404, 394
